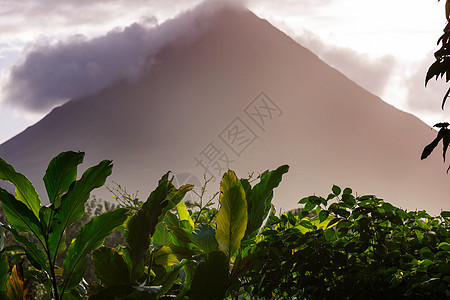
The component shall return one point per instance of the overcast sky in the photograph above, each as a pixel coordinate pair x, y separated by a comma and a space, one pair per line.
52, 51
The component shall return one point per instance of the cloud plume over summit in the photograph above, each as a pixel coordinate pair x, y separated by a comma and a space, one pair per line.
50, 74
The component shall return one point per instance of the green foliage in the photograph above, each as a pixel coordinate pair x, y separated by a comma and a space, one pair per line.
341, 246
46, 226
355, 248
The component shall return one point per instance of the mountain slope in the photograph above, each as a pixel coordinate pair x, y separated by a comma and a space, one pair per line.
243, 95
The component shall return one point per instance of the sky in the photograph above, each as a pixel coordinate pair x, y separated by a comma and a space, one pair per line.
54, 51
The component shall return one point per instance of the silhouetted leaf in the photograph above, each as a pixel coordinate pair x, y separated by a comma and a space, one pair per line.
430, 147
36, 256
441, 125
259, 202
60, 174
72, 204
91, 236
110, 267
211, 278
445, 96
20, 216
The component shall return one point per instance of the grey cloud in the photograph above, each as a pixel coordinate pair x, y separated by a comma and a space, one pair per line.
51, 74
371, 74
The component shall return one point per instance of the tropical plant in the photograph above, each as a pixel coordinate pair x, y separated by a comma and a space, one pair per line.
48, 224
355, 248
439, 68
181, 258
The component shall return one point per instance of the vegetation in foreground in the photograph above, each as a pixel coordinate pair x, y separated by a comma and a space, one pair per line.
340, 247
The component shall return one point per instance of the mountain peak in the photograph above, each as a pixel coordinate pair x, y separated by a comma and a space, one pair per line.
240, 94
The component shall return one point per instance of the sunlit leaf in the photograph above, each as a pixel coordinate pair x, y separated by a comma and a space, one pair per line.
171, 255
25, 191
232, 217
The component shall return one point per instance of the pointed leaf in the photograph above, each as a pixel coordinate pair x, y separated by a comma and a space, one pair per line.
60, 174
259, 203
232, 216
162, 235
336, 190
72, 204
25, 191
36, 256
183, 235
20, 216
445, 96
211, 278
183, 213
205, 239
110, 267
430, 147
91, 236
174, 197
445, 142
171, 255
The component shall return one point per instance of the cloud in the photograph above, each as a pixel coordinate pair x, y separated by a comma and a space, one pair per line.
53, 73
373, 74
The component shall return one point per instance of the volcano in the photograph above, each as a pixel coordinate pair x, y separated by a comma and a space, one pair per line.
242, 95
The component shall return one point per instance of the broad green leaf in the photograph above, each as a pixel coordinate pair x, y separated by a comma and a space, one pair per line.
259, 203
110, 267
91, 236
25, 191
205, 239
36, 256
323, 215
183, 213
445, 214
232, 216
167, 281
336, 190
174, 197
20, 216
211, 278
171, 255
60, 174
140, 228
183, 235
72, 203
162, 235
